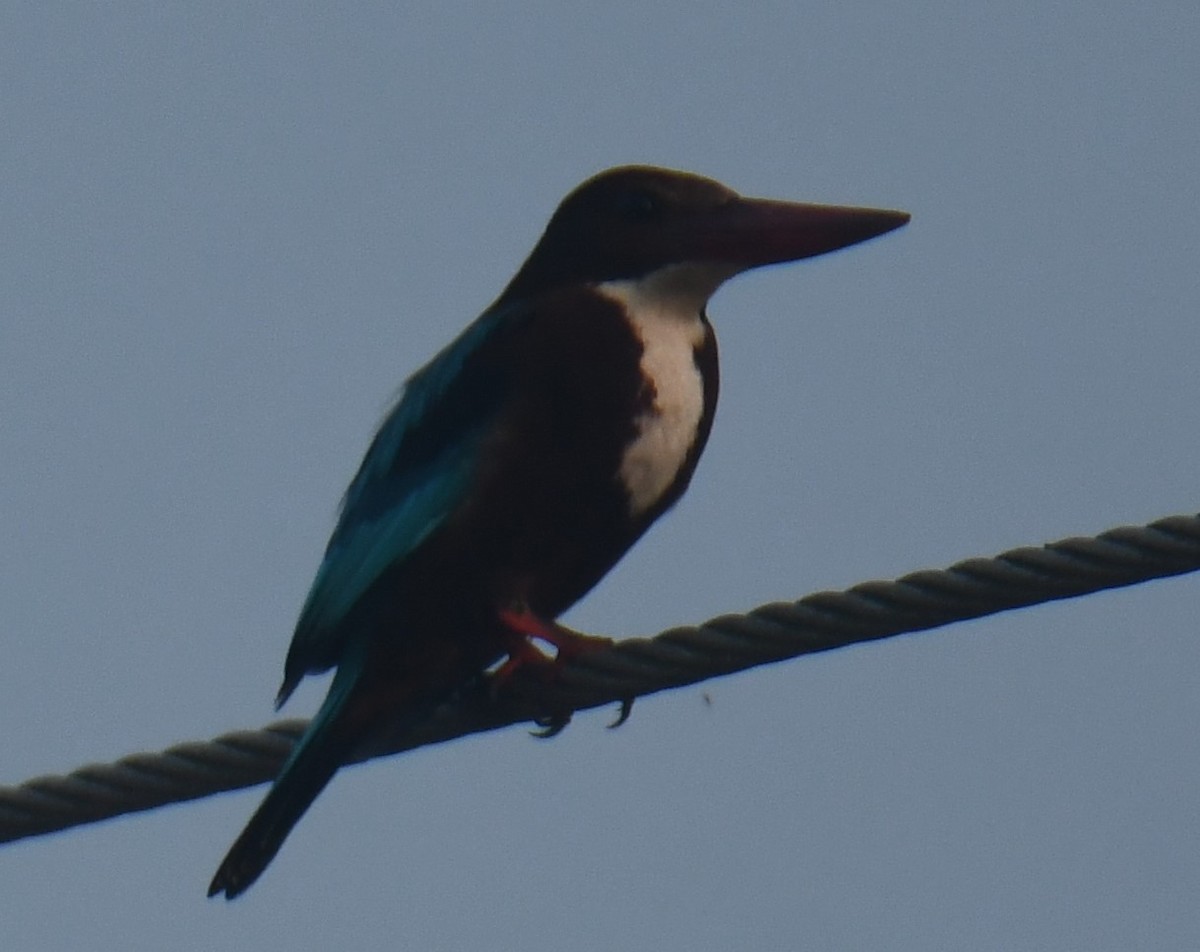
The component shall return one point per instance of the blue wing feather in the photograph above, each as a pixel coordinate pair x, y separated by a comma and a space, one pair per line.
417, 470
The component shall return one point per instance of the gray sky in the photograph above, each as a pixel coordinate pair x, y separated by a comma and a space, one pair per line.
230, 231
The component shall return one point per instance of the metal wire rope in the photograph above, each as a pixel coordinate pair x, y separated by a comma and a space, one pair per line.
634, 668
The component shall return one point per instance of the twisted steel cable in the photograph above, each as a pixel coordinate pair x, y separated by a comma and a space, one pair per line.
633, 668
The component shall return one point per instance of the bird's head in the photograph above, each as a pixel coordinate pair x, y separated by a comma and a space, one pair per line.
629, 222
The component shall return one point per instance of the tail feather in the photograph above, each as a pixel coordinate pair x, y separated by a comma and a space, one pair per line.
318, 755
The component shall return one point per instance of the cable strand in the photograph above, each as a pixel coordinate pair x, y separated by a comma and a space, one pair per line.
634, 667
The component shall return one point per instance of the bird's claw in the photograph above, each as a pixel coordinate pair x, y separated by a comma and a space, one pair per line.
551, 725
623, 713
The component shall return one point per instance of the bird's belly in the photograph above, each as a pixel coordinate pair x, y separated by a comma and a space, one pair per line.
666, 430
575, 470
666, 433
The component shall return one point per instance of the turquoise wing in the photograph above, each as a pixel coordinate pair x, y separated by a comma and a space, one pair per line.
418, 469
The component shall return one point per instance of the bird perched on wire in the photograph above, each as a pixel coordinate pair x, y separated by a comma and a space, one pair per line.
523, 461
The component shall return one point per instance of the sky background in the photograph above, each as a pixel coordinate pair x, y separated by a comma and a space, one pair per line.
228, 231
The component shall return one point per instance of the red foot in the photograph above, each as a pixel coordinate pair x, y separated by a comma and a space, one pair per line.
524, 626
570, 643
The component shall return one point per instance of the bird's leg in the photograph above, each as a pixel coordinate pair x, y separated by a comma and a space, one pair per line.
525, 625
522, 628
521, 653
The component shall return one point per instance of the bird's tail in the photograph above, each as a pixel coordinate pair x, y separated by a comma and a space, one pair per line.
317, 756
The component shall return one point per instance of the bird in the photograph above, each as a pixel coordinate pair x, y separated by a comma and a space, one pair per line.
523, 461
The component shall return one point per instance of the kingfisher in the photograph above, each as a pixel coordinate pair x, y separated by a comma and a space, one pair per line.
523, 460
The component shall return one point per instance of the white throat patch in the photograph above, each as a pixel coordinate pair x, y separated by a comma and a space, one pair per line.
664, 309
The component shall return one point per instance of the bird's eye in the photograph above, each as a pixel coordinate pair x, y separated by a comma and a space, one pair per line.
641, 206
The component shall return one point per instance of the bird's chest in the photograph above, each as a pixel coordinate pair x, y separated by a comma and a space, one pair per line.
667, 425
